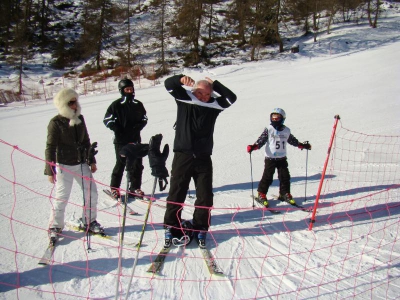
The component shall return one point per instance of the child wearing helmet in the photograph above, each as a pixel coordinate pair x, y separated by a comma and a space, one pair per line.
275, 137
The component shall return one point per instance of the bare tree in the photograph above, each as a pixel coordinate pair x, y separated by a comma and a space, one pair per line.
332, 8
276, 21
239, 14
263, 28
19, 47
162, 28
10, 11
128, 35
187, 26
373, 12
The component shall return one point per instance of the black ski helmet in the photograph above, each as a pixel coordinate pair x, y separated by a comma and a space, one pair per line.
123, 84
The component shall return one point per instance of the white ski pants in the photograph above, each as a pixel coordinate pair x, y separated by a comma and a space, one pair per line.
65, 177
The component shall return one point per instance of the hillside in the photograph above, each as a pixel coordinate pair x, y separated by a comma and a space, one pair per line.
41, 80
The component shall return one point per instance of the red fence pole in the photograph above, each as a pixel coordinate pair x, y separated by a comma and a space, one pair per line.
312, 220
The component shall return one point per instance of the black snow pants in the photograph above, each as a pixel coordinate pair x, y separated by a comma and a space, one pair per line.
184, 167
281, 165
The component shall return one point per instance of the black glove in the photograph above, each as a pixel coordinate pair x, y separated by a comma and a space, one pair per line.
115, 127
91, 153
157, 160
306, 145
132, 152
139, 126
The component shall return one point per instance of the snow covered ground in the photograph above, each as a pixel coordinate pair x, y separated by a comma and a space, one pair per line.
262, 255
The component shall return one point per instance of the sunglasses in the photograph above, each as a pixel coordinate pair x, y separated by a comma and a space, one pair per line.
70, 103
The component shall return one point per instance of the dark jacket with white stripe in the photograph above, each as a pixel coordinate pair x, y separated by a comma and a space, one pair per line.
126, 118
195, 120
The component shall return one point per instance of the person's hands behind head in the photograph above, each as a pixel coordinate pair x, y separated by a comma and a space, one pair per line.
188, 81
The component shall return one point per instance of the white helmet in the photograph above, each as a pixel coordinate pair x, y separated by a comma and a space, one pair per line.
280, 111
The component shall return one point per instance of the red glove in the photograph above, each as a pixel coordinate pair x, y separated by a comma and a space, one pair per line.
305, 145
251, 148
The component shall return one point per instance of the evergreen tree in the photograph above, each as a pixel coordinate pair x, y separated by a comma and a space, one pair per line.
97, 29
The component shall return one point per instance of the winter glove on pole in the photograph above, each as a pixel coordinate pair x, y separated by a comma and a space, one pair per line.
91, 153
157, 160
251, 148
306, 145
132, 152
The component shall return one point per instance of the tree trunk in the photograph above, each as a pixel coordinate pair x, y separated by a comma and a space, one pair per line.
277, 18
369, 12
162, 37
378, 4
129, 34
101, 33
21, 60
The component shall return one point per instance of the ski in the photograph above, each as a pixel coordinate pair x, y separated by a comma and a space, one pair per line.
211, 263
158, 262
48, 253
76, 227
260, 203
145, 199
302, 208
119, 201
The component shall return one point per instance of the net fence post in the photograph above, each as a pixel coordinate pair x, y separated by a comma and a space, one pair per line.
312, 220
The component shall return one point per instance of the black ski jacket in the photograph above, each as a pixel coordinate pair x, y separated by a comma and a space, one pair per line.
126, 118
195, 120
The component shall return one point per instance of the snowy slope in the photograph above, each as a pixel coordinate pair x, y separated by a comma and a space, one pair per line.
252, 247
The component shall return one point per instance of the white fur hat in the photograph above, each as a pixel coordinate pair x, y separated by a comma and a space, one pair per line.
61, 100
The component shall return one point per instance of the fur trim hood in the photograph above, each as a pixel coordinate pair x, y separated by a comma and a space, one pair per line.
61, 100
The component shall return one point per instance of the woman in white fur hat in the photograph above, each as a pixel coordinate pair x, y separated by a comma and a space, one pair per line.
68, 146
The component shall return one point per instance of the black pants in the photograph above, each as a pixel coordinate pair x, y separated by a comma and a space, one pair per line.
283, 175
185, 167
135, 171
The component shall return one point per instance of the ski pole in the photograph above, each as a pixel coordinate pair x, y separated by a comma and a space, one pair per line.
121, 241
251, 172
84, 209
90, 159
90, 211
141, 236
305, 187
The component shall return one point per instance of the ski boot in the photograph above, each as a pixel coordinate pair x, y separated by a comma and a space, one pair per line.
137, 194
168, 237
287, 198
115, 193
201, 238
262, 199
54, 234
94, 227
